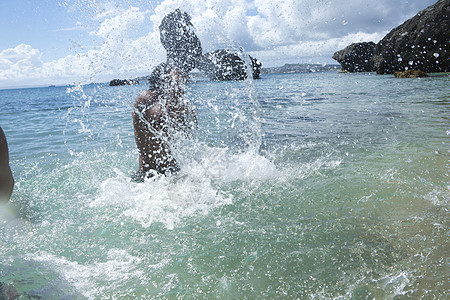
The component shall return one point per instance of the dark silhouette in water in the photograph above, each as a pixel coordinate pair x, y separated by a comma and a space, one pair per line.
6, 177
161, 111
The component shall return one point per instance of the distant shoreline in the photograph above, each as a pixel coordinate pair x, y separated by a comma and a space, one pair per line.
286, 69
300, 68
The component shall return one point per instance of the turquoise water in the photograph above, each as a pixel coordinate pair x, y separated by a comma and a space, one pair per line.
298, 186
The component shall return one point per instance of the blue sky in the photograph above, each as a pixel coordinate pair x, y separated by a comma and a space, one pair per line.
36, 23
57, 42
51, 25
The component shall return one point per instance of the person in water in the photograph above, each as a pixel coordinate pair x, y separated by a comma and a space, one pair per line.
161, 112
6, 177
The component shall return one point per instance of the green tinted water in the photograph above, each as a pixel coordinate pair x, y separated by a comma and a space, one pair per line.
346, 198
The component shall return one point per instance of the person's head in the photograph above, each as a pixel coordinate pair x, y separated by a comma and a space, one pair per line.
176, 82
180, 41
168, 79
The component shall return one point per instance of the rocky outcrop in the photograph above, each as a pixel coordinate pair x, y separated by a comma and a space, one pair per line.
357, 57
117, 82
256, 68
227, 65
420, 43
410, 74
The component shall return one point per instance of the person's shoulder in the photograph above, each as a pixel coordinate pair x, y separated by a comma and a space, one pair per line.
147, 94
146, 97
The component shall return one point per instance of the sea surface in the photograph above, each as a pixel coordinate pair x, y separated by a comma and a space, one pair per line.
295, 186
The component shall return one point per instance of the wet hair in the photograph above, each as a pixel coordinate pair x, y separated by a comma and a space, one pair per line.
161, 76
158, 77
180, 41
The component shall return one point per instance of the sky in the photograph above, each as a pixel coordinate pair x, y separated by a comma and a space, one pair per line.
45, 42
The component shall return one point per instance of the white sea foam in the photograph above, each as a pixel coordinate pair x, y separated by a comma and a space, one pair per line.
13, 228
196, 189
393, 284
439, 197
223, 166
117, 266
164, 200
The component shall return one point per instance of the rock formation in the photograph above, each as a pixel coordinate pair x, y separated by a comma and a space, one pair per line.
410, 74
227, 65
420, 43
117, 82
256, 68
357, 57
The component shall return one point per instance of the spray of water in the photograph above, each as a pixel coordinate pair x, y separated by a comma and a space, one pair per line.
223, 149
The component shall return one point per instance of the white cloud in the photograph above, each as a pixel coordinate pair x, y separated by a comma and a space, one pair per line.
317, 51
290, 22
15, 62
119, 55
23, 66
273, 31
121, 24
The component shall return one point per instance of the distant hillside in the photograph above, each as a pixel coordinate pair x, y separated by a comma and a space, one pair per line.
300, 68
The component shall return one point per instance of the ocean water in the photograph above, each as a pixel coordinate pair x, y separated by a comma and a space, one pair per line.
295, 186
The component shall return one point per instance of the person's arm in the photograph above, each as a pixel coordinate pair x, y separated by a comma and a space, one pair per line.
180, 110
148, 126
6, 177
